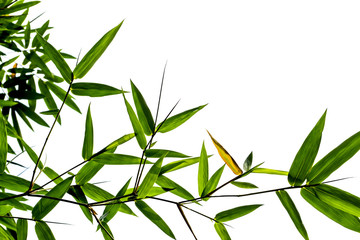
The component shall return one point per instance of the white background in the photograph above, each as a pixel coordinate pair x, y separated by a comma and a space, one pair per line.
268, 69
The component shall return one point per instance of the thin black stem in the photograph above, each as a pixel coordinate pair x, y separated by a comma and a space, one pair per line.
58, 199
35, 220
185, 219
100, 224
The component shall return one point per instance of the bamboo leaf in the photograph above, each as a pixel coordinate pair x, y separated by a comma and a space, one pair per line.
203, 172
43, 232
179, 164
48, 99
38, 62
150, 178
52, 175
154, 217
270, 171
143, 111
234, 213
87, 172
290, 207
106, 232
18, 7
31, 114
3, 143
94, 89
156, 153
333, 160
4, 234
56, 58
244, 185
96, 193
21, 229
79, 196
165, 182
345, 219
117, 159
45, 205
139, 132
306, 155
15, 183
60, 93
88, 144
226, 157
95, 53
117, 142
221, 231
27, 35
176, 120
213, 182
248, 162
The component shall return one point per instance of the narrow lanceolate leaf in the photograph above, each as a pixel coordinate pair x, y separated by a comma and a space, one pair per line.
87, 172
21, 229
150, 178
27, 35
333, 160
305, 157
38, 62
226, 157
5, 234
119, 141
234, 213
175, 121
93, 89
165, 182
213, 182
221, 231
244, 185
45, 205
52, 175
56, 58
31, 114
338, 198
15, 183
95, 53
138, 130
106, 232
143, 111
88, 144
117, 159
154, 217
61, 93
43, 232
270, 171
79, 196
156, 153
290, 207
203, 172
96, 193
248, 162
3, 143
343, 218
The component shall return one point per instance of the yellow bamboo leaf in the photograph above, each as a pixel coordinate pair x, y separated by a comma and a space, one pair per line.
226, 157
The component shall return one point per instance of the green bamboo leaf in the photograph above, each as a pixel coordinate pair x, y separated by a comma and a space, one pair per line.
119, 141
179, 164
333, 160
33, 156
48, 99
270, 171
96, 193
52, 175
31, 114
203, 172
18, 7
106, 232
343, 218
143, 111
175, 121
5, 209
165, 182
79, 196
95, 53
154, 217
60, 93
338, 198
150, 178
38, 62
3, 143
212, 183
248, 162
234, 213
29, 95
93, 89
244, 185
139, 132
88, 144
290, 207
87, 172
306, 155
156, 153
43, 232
7, 103
9, 223
4, 234
15, 183
56, 58
21, 229
45, 205
117, 159
27, 35
221, 231
15, 202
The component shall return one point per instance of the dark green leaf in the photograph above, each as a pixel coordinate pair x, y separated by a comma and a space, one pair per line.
292, 211
156, 153
96, 193
14, 202
95, 52
154, 217
234, 213
18, 7
117, 159
94, 89
38, 62
15, 183
3, 143
31, 114
143, 111
60, 93
244, 185
5, 234
25, 95
213, 182
175, 121
21, 229
106, 232
333, 160
165, 182
221, 231
43, 232
87, 172
203, 171
27, 35
248, 162
79, 196
88, 144
48, 99
305, 157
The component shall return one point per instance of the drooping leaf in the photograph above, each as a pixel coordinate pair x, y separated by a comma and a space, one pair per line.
221, 231
154, 217
226, 157
306, 155
61, 93
31, 114
175, 121
138, 130
244, 185
21, 229
248, 162
3, 143
143, 111
203, 171
38, 62
213, 182
87, 172
106, 232
333, 160
79, 196
165, 182
56, 58
88, 144
150, 178
234, 213
156, 153
270, 171
45, 205
43, 232
343, 218
117, 159
95, 53
93, 89
290, 207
